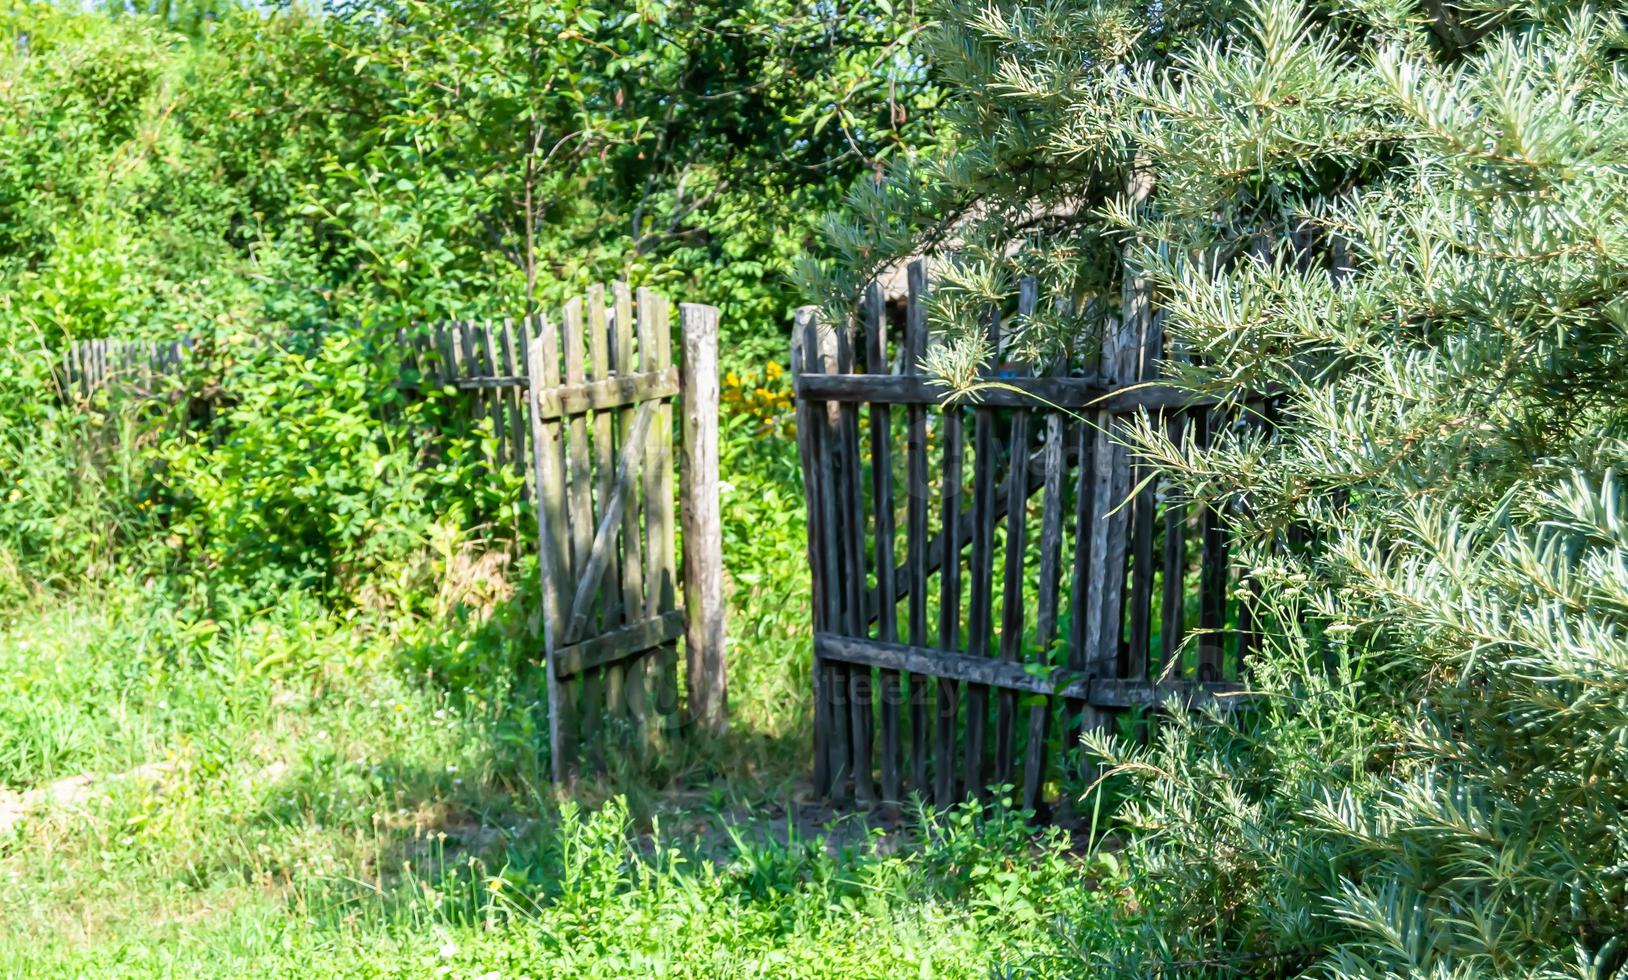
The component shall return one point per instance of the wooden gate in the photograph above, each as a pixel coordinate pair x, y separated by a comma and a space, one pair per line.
958, 647
601, 394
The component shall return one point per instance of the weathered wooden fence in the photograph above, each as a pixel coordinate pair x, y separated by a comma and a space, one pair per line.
90, 365
961, 646
582, 410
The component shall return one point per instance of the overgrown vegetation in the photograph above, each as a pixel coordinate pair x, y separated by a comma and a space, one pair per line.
268, 695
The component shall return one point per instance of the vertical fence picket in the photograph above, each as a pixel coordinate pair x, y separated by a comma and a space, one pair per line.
915, 347
851, 522
635, 683
554, 556
980, 622
1017, 506
495, 397
949, 605
661, 585
579, 501
702, 522
1212, 576
805, 359
887, 600
830, 501
599, 353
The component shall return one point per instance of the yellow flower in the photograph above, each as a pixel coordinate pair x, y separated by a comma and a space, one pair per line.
732, 379
772, 370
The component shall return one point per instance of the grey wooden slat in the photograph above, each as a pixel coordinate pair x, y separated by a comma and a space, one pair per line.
602, 427
887, 606
917, 552
579, 501
518, 449
611, 393
1105, 596
1080, 575
804, 357
661, 572
609, 598
702, 518
1139, 655
480, 385
1106, 692
495, 403
443, 354
553, 554
635, 689
628, 641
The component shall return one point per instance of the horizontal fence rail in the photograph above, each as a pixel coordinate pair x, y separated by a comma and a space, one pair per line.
995, 576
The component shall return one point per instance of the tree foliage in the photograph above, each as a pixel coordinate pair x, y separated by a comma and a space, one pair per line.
1406, 222
253, 177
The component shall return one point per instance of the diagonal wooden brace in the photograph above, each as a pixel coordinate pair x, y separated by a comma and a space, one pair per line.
610, 521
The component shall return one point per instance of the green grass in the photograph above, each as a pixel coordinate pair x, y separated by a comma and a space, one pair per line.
290, 790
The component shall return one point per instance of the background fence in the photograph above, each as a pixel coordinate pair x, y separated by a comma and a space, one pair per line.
963, 643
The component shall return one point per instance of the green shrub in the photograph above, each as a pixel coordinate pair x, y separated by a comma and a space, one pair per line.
306, 477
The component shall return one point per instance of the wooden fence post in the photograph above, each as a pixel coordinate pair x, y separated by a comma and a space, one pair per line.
702, 522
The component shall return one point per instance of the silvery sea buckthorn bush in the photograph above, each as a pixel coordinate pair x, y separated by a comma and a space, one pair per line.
1406, 221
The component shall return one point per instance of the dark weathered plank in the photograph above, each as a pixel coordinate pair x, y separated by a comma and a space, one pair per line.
703, 523
1080, 576
1171, 624
1139, 654
1017, 490
518, 442
852, 509
486, 346
626, 641
805, 358
887, 604
1046, 601
981, 575
1213, 570
1107, 692
916, 547
1033, 393
829, 498
949, 606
